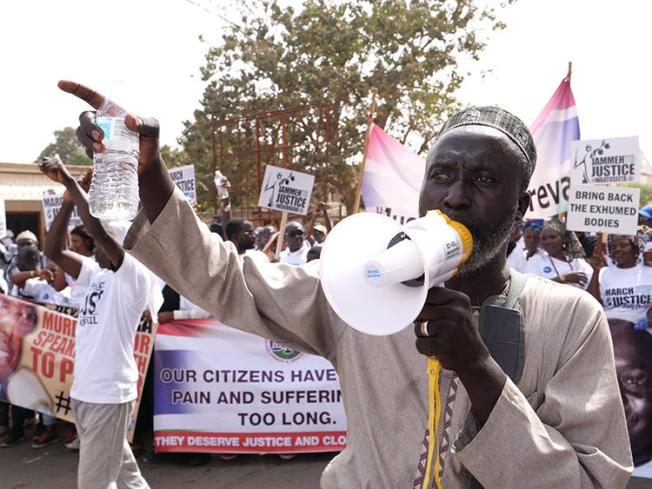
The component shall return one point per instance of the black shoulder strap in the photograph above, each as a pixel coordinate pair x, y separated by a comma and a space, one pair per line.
517, 284
502, 329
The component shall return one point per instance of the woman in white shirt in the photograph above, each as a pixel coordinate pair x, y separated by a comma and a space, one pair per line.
563, 260
520, 255
625, 286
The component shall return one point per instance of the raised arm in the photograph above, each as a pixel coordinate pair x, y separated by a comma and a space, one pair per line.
154, 182
327, 220
597, 261
309, 224
57, 171
226, 202
55, 243
169, 239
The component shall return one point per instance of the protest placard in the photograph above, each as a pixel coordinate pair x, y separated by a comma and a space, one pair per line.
184, 178
217, 389
286, 190
3, 219
605, 161
603, 209
52, 202
37, 353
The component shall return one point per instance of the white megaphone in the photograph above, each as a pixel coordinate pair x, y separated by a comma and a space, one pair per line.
376, 273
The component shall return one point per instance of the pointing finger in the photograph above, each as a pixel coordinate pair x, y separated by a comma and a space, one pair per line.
92, 97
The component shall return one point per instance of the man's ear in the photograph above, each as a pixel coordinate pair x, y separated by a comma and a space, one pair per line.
523, 204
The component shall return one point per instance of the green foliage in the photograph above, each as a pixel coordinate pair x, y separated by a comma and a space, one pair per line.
174, 157
646, 192
331, 53
67, 147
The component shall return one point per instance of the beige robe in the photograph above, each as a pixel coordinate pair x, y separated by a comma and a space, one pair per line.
562, 427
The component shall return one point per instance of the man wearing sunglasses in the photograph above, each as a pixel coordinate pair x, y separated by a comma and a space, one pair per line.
297, 251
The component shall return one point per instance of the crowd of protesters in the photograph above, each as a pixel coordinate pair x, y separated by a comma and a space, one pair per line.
63, 274
615, 269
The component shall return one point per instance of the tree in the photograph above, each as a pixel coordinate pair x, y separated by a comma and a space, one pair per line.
331, 53
646, 191
174, 157
67, 147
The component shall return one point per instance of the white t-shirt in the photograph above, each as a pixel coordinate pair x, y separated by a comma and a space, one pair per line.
79, 285
189, 310
548, 267
105, 368
626, 289
518, 259
298, 257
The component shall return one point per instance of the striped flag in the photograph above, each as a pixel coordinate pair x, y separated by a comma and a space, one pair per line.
553, 130
392, 177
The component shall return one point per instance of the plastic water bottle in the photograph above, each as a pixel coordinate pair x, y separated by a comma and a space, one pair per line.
220, 183
113, 194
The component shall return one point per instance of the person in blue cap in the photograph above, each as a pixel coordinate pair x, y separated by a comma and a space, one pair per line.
645, 215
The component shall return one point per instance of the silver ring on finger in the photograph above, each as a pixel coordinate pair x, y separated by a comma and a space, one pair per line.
424, 328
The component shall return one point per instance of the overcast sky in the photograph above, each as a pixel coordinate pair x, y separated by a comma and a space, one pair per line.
146, 55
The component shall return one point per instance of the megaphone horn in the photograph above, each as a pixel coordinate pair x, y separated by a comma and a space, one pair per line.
376, 273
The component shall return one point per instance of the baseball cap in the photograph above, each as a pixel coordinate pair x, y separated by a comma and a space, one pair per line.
321, 228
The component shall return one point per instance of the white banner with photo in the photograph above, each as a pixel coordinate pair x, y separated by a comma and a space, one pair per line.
217, 389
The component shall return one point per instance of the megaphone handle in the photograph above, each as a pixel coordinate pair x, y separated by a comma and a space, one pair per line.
434, 413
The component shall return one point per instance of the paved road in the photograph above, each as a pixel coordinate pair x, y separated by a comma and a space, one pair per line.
54, 467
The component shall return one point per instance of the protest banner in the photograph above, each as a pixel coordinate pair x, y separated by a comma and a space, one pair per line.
52, 202
184, 178
604, 161
553, 131
392, 178
37, 352
3, 219
603, 209
286, 190
217, 389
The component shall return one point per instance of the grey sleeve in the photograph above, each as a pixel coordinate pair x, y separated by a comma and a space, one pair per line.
276, 301
573, 434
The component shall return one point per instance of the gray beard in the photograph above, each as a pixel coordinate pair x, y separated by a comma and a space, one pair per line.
487, 243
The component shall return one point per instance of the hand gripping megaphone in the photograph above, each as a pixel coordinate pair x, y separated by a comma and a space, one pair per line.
376, 273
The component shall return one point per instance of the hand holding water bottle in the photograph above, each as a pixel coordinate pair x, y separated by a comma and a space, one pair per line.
222, 184
121, 145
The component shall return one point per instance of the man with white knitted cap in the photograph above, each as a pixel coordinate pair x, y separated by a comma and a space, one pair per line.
105, 376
